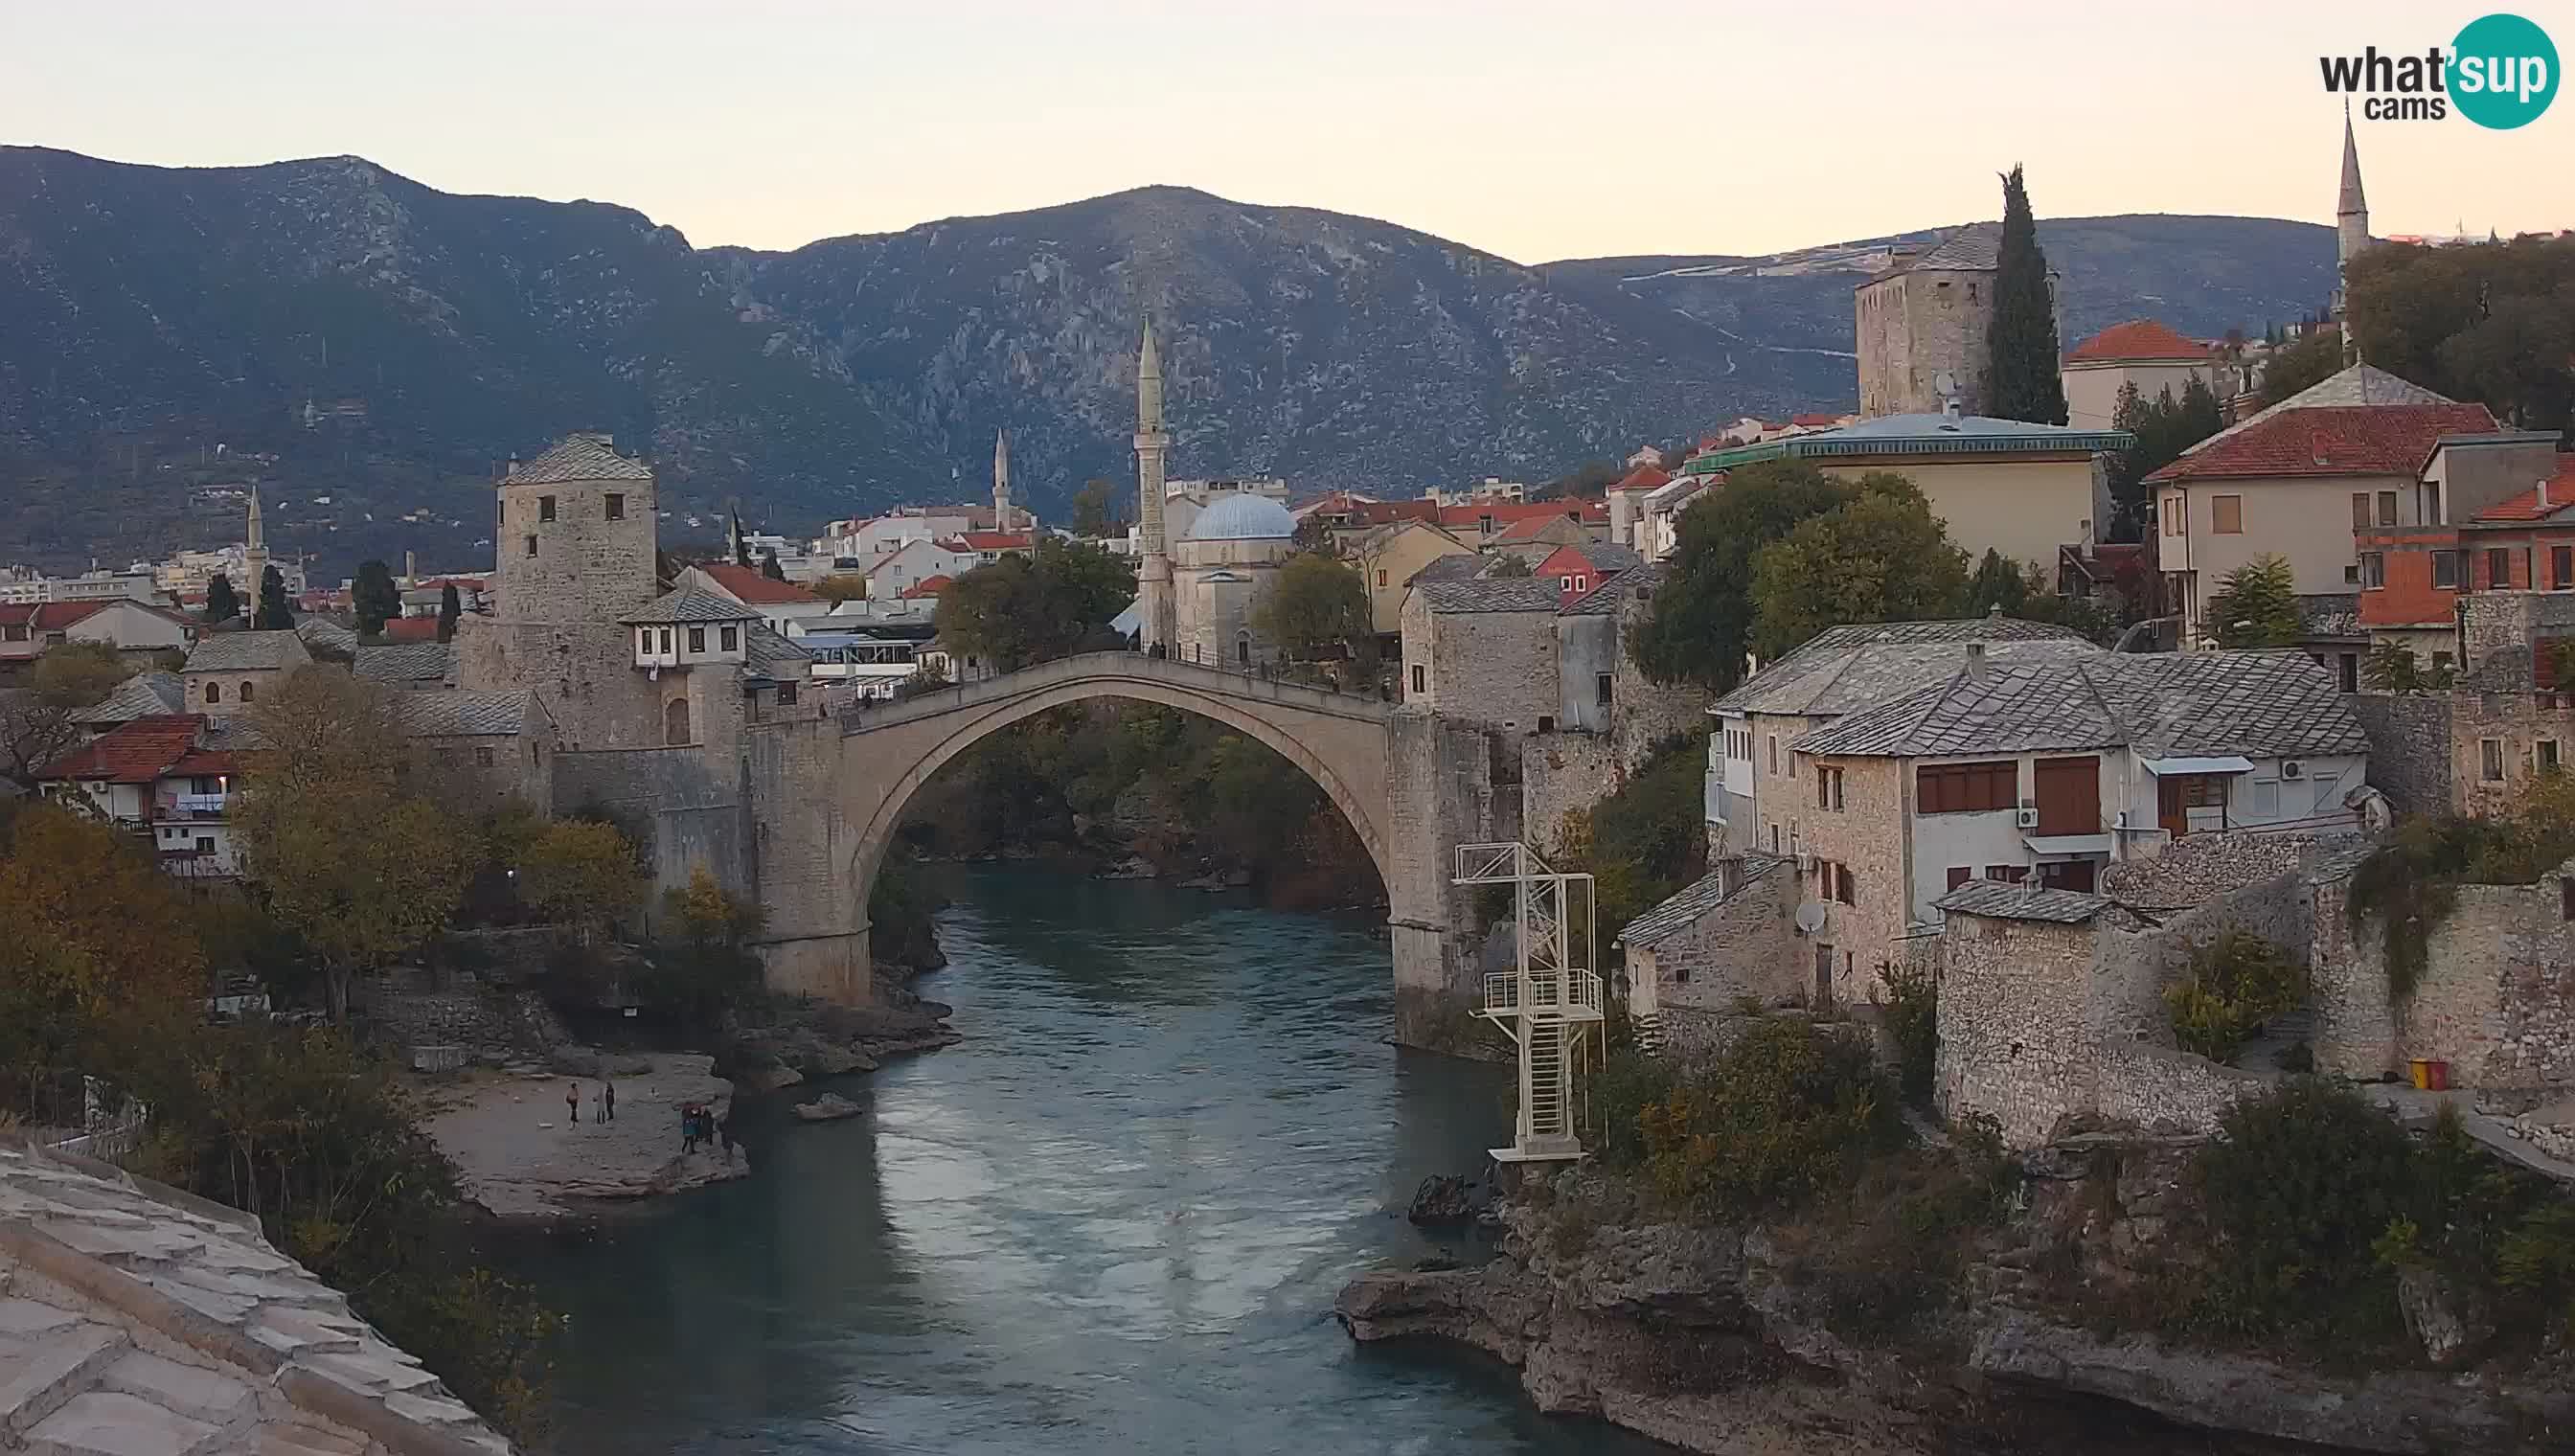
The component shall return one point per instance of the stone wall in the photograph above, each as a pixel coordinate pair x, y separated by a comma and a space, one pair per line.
1868, 834
2515, 722
1561, 773
2409, 748
584, 671
1484, 667
672, 799
2162, 1089
2202, 868
2496, 1000
1744, 947
1448, 784
411, 1008
803, 860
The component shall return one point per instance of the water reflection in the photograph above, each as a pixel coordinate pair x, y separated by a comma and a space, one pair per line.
1113, 1220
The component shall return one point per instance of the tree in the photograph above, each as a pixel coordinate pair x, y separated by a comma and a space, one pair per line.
2257, 606
377, 599
1510, 566
769, 568
1882, 557
2000, 584
221, 604
274, 612
2021, 354
451, 609
2164, 428
1702, 628
38, 721
1098, 509
841, 586
350, 858
1314, 606
2310, 360
1025, 610
582, 873
2393, 669
2485, 321
702, 961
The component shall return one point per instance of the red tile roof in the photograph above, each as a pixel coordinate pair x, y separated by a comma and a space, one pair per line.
1511, 513
1643, 478
2528, 506
997, 540
203, 763
1536, 527
746, 586
136, 752
49, 616
2137, 339
927, 586
412, 628
1815, 421
2328, 440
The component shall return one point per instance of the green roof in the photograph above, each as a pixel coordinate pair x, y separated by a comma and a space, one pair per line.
1919, 435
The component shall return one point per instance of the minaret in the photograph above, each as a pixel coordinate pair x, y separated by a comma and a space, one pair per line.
1153, 576
1001, 480
2351, 230
254, 560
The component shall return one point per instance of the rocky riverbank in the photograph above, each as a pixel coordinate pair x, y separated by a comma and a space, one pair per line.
1726, 1340
522, 1157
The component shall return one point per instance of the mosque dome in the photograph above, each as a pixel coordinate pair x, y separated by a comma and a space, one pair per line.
1243, 517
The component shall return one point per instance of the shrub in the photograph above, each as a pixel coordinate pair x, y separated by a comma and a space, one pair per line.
1630, 1080
2235, 984
1911, 1010
1787, 1111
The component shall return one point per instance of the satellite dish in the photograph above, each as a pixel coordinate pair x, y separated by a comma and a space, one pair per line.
1810, 917
1944, 383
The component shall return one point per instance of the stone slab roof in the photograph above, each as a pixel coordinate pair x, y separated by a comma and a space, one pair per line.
773, 655
582, 456
1457, 565
1997, 900
1621, 586
464, 715
1847, 669
1496, 593
1685, 910
1975, 246
138, 1319
686, 606
2161, 705
404, 663
247, 652
321, 633
145, 695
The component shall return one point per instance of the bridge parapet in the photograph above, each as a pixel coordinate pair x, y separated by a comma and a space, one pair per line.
1113, 666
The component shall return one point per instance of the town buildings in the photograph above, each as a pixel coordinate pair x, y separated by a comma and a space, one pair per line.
1388, 557
227, 670
162, 777
28, 628
2140, 353
2485, 512
1922, 326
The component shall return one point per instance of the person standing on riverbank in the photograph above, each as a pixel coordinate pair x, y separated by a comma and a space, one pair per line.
571, 1099
607, 1101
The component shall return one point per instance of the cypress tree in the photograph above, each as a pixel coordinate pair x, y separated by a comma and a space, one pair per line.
375, 596
221, 604
2021, 381
274, 614
449, 609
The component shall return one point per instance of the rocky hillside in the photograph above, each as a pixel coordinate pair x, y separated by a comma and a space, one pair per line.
149, 315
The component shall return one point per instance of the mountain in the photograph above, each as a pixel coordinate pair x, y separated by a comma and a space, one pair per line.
371, 349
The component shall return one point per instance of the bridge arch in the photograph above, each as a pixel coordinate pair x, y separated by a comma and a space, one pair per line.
887, 753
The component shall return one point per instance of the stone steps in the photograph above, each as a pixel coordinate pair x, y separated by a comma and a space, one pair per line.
53, 1362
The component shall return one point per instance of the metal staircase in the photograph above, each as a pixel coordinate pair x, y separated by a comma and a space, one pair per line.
1550, 1001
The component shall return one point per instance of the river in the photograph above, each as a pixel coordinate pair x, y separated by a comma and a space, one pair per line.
1113, 1220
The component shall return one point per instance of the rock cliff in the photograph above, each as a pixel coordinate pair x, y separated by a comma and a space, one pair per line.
1719, 1340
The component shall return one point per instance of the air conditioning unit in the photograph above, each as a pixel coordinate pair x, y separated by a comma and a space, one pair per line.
2027, 818
2293, 768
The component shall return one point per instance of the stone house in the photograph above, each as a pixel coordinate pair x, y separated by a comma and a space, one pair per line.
2023, 490
2048, 772
1724, 940
2140, 351
2293, 481
164, 777
227, 670
1924, 319
1578, 568
1388, 557
484, 748
1484, 651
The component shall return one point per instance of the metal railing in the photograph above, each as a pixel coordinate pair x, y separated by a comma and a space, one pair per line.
1570, 994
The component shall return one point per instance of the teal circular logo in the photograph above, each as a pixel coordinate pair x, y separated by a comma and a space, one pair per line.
2503, 71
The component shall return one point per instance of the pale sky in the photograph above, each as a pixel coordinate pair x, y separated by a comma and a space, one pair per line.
1536, 131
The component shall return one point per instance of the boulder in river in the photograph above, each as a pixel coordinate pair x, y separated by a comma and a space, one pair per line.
828, 1107
1446, 1198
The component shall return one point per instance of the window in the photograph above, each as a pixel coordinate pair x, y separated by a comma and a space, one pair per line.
249, 690
2349, 666
1774, 752
1828, 789
2227, 515
2566, 899
1959, 874
532, 545
1604, 689
482, 757
1582, 583
1774, 838
2360, 510
2445, 569
2171, 512
1381, 578
675, 723
787, 695
1546, 722
697, 638
2351, 574
729, 638
1845, 889
2490, 759
1966, 787
2543, 755
1421, 679
2561, 567
2373, 569
2263, 801
2387, 507
2007, 874
1564, 584
615, 506
2498, 568
2432, 503
545, 508
666, 639
205, 843
214, 692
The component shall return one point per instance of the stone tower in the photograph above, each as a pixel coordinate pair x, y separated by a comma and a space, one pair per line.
254, 560
1001, 480
1153, 574
574, 552
2351, 229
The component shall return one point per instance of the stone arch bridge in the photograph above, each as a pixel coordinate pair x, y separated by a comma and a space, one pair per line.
1411, 784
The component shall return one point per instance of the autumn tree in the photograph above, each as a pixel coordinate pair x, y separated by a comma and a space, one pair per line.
1702, 628
451, 609
581, 874
2021, 354
1315, 606
39, 721
841, 586
702, 961
349, 855
2487, 322
221, 604
376, 598
2257, 606
1882, 557
1030, 608
275, 613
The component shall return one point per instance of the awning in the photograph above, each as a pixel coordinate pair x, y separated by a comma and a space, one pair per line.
2168, 768
2067, 844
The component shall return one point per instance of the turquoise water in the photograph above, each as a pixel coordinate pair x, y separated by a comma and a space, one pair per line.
1113, 1220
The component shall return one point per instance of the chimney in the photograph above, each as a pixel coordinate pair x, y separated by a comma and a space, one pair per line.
410, 567
1976, 659
1950, 406
2543, 493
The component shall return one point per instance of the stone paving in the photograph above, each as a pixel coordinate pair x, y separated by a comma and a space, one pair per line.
136, 1320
